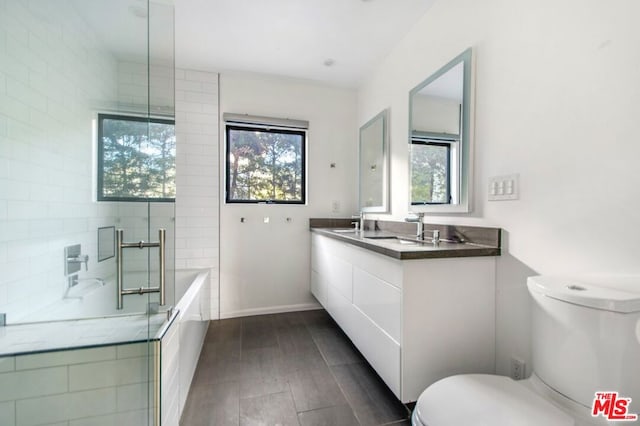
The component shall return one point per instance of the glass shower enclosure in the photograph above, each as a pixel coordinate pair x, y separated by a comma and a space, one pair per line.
87, 168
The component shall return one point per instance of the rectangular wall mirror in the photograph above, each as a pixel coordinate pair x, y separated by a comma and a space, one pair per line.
374, 165
440, 123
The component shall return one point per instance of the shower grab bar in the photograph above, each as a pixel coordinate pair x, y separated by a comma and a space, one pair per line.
140, 245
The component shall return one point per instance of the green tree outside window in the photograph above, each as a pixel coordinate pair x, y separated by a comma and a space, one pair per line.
265, 165
136, 159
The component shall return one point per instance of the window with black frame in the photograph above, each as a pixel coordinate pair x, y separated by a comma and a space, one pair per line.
431, 171
265, 164
136, 158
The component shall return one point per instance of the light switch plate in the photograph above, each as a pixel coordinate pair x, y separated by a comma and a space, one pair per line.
503, 188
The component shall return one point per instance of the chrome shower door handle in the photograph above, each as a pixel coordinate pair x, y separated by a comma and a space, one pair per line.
162, 234
161, 244
119, 262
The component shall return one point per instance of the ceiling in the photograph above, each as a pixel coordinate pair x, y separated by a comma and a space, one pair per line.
292, 38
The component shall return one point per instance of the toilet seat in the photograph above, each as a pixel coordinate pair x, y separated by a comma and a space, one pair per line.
484, 399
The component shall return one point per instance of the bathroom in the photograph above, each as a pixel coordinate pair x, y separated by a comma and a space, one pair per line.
555, 86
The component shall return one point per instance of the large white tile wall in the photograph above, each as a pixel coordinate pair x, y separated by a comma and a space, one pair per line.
136, 78
197, 180
99, 386
48, 92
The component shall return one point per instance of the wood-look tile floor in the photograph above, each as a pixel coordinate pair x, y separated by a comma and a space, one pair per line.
295, 368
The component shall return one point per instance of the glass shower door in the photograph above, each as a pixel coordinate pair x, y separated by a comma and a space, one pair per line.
64, 66
145, 253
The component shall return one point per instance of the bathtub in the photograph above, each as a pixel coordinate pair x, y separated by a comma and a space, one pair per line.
182, 342
81, 322
95, 298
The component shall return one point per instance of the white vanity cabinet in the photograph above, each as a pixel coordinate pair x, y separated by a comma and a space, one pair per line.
415, 321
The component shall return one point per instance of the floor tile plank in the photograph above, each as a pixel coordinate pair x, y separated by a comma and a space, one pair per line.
262, 372
331, 416
371, 400
291, 368
336, 348
272, 409
315, 388
212, 405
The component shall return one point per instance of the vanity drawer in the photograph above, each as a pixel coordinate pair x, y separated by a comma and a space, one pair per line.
342, 311
380, 350
340, 276
319, 287
319, 253
379, 300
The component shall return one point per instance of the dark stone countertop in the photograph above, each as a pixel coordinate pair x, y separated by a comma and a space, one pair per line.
394, 239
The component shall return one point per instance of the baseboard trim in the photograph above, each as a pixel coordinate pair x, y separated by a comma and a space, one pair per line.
270, 310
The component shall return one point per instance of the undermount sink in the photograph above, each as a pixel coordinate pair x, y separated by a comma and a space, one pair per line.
344, 231
408, 243
403, 240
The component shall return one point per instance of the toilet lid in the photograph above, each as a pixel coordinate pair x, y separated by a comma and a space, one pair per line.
482, 399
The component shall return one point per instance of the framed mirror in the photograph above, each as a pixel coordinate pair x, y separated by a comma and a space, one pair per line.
440, 139
373, 166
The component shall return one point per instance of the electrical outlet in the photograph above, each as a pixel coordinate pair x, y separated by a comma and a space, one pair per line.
518, 368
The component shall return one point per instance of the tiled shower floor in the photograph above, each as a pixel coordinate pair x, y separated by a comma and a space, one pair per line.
287, 369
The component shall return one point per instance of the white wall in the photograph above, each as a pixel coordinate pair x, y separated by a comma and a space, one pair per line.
265, 267
557, 94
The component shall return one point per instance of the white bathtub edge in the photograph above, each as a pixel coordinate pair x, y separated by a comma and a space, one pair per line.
190, 325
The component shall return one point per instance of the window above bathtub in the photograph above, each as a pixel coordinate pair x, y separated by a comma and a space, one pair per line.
265, 160
136, 158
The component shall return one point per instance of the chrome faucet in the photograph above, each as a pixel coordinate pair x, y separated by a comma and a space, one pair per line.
80, 258
420, 224
360, 224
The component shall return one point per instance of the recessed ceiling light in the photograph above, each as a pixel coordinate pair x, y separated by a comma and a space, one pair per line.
329, 62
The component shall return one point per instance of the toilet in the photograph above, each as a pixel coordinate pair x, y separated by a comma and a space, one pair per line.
585, 339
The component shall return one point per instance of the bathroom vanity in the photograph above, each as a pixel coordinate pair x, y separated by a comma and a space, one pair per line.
417, 311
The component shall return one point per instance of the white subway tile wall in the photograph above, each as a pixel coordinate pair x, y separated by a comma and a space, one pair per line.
48, 95
197, 181
89, 387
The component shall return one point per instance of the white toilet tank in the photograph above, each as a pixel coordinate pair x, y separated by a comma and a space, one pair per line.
586, 336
